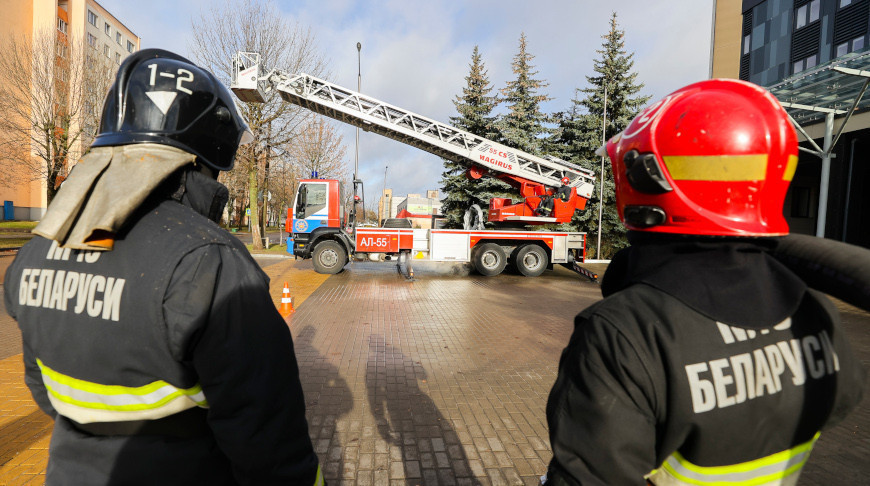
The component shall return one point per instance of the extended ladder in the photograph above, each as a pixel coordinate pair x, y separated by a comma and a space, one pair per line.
393, 122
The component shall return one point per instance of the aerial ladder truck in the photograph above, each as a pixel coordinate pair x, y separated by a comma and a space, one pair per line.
319, 228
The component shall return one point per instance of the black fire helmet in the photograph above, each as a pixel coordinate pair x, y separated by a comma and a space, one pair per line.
161, 97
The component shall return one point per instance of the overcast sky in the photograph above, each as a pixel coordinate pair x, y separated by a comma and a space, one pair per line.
416, 54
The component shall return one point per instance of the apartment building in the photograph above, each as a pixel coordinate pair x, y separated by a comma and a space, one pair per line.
813, 55
85, 22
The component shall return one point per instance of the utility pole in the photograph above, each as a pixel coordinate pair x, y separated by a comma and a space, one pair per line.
601, 190
356, 157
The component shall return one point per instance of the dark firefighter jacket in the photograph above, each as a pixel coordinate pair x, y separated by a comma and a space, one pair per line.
163, 361
705, 363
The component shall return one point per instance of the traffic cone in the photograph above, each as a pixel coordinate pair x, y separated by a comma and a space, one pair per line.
286, 302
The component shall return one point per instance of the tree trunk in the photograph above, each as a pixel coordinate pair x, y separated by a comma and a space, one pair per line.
265, 192
255, 213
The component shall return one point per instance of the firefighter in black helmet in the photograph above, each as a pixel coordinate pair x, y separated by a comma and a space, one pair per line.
148, 331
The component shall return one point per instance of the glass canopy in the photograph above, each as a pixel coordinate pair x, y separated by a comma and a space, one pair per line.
827, 88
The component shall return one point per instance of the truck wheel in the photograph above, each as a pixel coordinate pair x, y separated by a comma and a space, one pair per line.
531, 260
489, 259
329, 257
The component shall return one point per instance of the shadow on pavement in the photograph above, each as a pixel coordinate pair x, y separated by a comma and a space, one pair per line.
408, 419
327, 400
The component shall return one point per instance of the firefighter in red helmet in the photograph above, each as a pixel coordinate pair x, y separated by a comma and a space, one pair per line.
563, 193
708, 361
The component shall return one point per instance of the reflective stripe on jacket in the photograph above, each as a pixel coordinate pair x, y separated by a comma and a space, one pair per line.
87, 402
782, 468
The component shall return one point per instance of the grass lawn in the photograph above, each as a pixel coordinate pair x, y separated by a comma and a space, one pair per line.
14, 234
17, 225
274, 249
12, 242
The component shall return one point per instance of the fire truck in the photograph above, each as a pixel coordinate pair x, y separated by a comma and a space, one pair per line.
322, 228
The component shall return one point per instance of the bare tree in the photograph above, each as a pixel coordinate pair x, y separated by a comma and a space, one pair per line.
320, 149
283, 181
257, 26
51, 93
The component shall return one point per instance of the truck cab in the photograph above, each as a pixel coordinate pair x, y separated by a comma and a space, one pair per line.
317, 214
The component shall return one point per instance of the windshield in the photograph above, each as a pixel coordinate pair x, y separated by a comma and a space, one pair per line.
311, 199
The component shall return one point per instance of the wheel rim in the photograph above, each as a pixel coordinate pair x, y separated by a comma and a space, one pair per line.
490, 259
532, 260
329, 258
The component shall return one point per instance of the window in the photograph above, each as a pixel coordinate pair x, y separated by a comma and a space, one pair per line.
842, 49
807, 14
801, 203
814, 10
800, 17
61, 25
118, 38
117, 58
108, 29
845, 3
805, 63
106, 50
92, 41
130, 46
746, 44
62, 49
310, 200
92, 18
853, 45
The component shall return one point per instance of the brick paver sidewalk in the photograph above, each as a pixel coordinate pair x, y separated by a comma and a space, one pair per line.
439, 381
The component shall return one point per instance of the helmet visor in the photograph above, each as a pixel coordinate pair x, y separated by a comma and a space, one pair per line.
247, 137
601, 151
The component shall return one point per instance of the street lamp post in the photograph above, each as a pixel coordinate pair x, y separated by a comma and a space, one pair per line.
358, 89
356, 158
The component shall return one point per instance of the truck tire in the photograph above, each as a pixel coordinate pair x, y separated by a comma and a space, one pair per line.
531, 260
329, 257
489, 259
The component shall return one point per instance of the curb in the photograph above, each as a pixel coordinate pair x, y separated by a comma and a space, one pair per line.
269, 255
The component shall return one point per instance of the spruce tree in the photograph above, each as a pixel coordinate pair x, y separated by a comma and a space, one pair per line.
523, 126
579, 135
474, 107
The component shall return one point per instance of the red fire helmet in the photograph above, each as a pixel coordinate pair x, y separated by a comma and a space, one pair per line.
713, 158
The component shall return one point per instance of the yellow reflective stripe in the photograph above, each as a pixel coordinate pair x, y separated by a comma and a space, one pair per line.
790, 168
733, 168
318, 480
86, 394
771, 469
